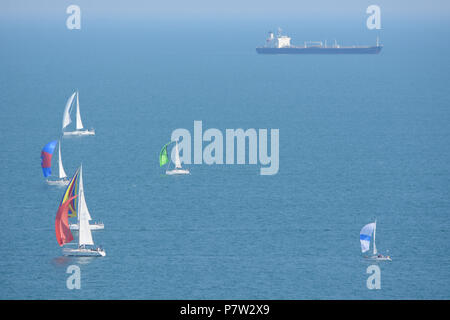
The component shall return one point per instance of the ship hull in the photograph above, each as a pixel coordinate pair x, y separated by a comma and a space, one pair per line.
315, 50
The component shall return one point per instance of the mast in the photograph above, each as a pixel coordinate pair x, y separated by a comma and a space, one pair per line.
84, 233
79, 123
374, 232
62, 173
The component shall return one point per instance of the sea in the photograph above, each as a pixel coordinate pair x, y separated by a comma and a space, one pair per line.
361, 137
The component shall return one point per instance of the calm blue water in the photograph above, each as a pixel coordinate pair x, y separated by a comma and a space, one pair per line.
360, 137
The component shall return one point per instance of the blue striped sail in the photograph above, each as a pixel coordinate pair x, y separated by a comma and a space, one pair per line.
366, 235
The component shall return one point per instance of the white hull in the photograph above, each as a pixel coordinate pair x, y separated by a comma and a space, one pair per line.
83, 252
61, 182
177, 171
95, 226
383, 258
80, 133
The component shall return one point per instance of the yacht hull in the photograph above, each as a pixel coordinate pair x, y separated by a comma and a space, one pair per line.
79, 133
177, 171
379, 258
80, 252
61, 182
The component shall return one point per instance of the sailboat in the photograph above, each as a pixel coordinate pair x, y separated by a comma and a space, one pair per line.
365, 236
80, 131
163, 159
46, 156
73, 203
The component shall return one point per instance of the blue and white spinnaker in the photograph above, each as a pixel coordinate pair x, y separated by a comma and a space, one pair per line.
366, 235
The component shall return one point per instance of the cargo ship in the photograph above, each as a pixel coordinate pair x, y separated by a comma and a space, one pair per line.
281, 44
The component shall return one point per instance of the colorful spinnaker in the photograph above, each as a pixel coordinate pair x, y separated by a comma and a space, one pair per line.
62, 230
46, 156
71, 191
163, 157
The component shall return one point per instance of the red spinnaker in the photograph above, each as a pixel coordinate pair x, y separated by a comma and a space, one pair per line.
62, 229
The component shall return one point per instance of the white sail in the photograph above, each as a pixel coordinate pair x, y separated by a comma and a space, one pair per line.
66, 116
62, 173
365, 236
177, 157
374, 232
79, 124
85, 235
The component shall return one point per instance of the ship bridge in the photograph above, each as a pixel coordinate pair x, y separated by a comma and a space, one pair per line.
283, 42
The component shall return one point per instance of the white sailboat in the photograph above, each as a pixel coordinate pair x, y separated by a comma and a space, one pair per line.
86, 245
80, 130
62, 181
365, 236
178, 169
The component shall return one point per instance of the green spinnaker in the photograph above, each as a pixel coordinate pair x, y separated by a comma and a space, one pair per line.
163, 157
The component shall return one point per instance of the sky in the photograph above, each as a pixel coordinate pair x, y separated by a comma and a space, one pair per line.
224, 9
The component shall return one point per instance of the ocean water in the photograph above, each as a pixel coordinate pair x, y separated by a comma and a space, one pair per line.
361, 137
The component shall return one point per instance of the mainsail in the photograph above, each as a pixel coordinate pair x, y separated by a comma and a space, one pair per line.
79, 124
85, 235
66, 116
62, 229
62, 173
46, 156
374, 232
177, 157
365, 236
